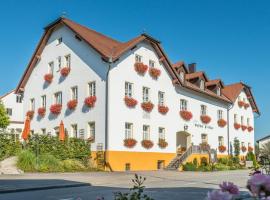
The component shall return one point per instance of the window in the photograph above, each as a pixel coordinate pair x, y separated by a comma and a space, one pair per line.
43, 131
244, 99
9, 111
59, 62
19, 98
32, 104
248, 121
203, 110
202, 84
249, 144
218, 91
68, 60
220, 114
183, 105
146, 132
182, 76
58, 98
128, 130
51, 67
161, 98
128, 89
242, 120
43, 101
151, 63
74, 93
242, 144
235, 118
127, 167
74, 130
146, 94
138, 58
92, 129
59, 41
204, 138
92, 88
220, 140
161, 133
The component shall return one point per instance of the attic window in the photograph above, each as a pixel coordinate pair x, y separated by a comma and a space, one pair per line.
202, 84
218, 91
182, 76
59, 41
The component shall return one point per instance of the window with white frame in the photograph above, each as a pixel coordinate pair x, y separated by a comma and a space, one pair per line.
146, 132
9, 111
218, 91
74, 93
74, 130
51, 68
202, 84
92, 129
161, 98
248, 121
92, 88
235, 118
58, 98
32, 104
182, 76
43, 101
242, 144
59, 62
59, 41
128, 130
146, 92
161, 133
68, 60
220, 140
138, 58
128, 89
19, 98
220, 114
204, 138
203, 110
242, 120
151, 63
183, 105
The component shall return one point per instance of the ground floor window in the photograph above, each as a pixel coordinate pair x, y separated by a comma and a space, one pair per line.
74, 130
160, 164
204, 138
92, 130
220, 140
146, 132
128, 130
127, 166
161, 132
43, 131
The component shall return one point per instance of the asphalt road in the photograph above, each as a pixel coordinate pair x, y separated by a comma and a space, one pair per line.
160, 185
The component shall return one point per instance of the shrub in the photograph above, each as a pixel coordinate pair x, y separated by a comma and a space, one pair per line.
205, 168
72, 165
204, 161
221, 167
48, 163
9, 145
224, 161
27, 161
195, 162
189, 167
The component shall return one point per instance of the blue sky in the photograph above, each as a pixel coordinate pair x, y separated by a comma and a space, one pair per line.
226, 38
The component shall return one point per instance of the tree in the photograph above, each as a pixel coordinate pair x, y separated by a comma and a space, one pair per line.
236, 145
265, 150
4, 119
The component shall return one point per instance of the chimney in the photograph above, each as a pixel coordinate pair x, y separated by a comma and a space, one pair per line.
192, 67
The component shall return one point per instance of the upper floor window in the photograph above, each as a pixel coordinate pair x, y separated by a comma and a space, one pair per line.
161, 98
128, 130
59, 60
248, 121
242, 120
235, 118
183, 104
146, 92
242, 144
19, 98
138, 58
128, 89
161, 133
74, 93
51, 67
32, 104
43, 101
220, 140
146, 132
92, 88
68, 60
202, 84
182, 76
59, 41
218, 91
58, 98
220, 114
151, 63
9, 111
203, 110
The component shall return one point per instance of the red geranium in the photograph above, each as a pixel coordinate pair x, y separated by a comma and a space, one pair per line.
244, 127
241, 103
222, 149
147, 106
154, 72
162, 143
186, 115
250, 128
56, 109
163, 109
90, 101
130, 143
48, 78
41, 111
147, 144
250, 149
205, 119
237, 126
65, 71
244, 149
221, 123
130, 102
30, 114
72, 104
140, 68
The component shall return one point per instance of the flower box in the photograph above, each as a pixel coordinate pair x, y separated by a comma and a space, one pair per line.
90, 101
30, 114
72, 104
162, 143
65, 71
147, 144
163, 109
140, 68
250, 128
244, 149
250, 149
244, 127
222, 148
237, 126
241, 104
205, 119
56, 109
154, 72
41, 111
48, 78
129, 143
130, 102
186, 115
222, 123
147, 106
246, 105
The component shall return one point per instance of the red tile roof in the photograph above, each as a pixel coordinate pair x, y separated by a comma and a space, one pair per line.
196, 75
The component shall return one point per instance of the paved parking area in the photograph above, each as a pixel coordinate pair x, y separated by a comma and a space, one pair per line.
160, 184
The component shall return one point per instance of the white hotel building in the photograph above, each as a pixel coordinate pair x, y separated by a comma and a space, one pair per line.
143, 111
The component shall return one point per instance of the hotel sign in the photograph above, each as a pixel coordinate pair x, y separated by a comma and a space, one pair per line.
203, 126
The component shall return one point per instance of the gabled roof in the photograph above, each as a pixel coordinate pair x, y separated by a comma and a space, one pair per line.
3, 96
180, 65
232, 92
196, 75
264, 138
214, 82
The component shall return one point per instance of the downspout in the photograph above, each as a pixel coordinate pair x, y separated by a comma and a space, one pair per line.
228, 127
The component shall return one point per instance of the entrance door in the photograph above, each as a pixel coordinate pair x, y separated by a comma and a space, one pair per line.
183, 141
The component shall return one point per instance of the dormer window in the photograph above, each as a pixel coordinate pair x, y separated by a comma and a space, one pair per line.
182, 76
59, 41
138, 58
202, 84
218, 91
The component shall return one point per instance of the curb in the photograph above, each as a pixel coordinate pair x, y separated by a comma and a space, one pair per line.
43, 188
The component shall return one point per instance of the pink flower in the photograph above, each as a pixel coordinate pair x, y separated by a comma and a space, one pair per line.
229, 187
258, 184
218, 195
